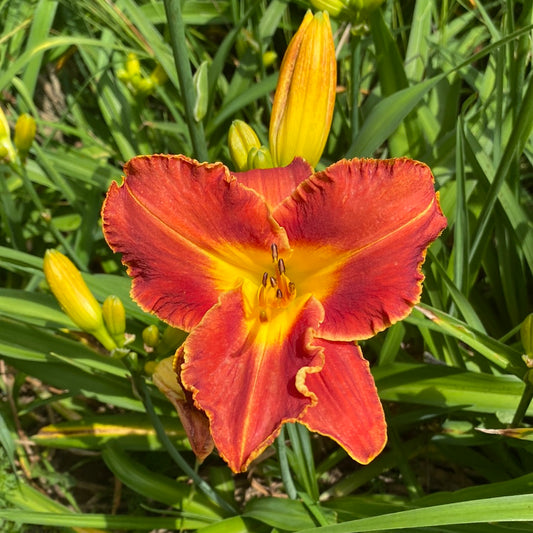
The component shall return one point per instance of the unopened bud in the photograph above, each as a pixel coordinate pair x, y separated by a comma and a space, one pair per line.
115, 318
259, 158
7, 151
151, 336
158, 75
171, 339
76, 300
25, 129
354, 11
241, 139
305, 95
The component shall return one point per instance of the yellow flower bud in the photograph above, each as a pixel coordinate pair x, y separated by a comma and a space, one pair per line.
25, 129
7, 151
352, 10
115, 318
67, 285
305, 95
170, 340
158, 75
150, 367
241, 139
269, 57
151, 336
133, 66
526, 334
259, 158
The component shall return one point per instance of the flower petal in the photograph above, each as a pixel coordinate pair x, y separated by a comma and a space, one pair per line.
348, 408
187, 231
275, 184
243, 373
360, 231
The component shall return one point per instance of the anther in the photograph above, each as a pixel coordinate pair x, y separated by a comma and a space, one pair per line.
281, 266
274, 250
265, 279
263, 316
273, 282
279, 294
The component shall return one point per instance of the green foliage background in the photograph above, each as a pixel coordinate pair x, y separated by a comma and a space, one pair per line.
446, 82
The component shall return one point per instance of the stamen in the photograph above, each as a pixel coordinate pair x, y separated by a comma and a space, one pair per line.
281, 266
263, 316
265, 279
274, 250
273, 282
279, 294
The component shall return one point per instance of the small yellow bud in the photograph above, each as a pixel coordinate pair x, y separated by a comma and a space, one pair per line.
133, 66
241, 139
259, 158
269, 57
305, 95
7, 151
115, 318
149, 367
67, 285
526, 334
170, 340
151, 336
158, 75
25, 129
352, 10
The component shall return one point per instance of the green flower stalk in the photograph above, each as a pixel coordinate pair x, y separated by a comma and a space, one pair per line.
74, 297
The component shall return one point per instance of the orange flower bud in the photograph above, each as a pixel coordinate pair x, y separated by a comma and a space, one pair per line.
76, 300
305, 95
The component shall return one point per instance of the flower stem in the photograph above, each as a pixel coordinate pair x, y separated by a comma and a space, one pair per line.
284, 466
181, 59
141, 387
355, 65
525, 400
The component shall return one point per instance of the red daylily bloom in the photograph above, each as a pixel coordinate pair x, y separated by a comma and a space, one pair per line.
275, 273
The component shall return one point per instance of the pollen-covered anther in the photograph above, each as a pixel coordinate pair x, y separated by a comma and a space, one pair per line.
276, 290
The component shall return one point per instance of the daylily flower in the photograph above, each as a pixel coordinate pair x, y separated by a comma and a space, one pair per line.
275, 273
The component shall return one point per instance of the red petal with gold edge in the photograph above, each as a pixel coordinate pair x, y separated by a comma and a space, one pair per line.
360, 231
348, 408
275, 184
187, 232
243, 373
